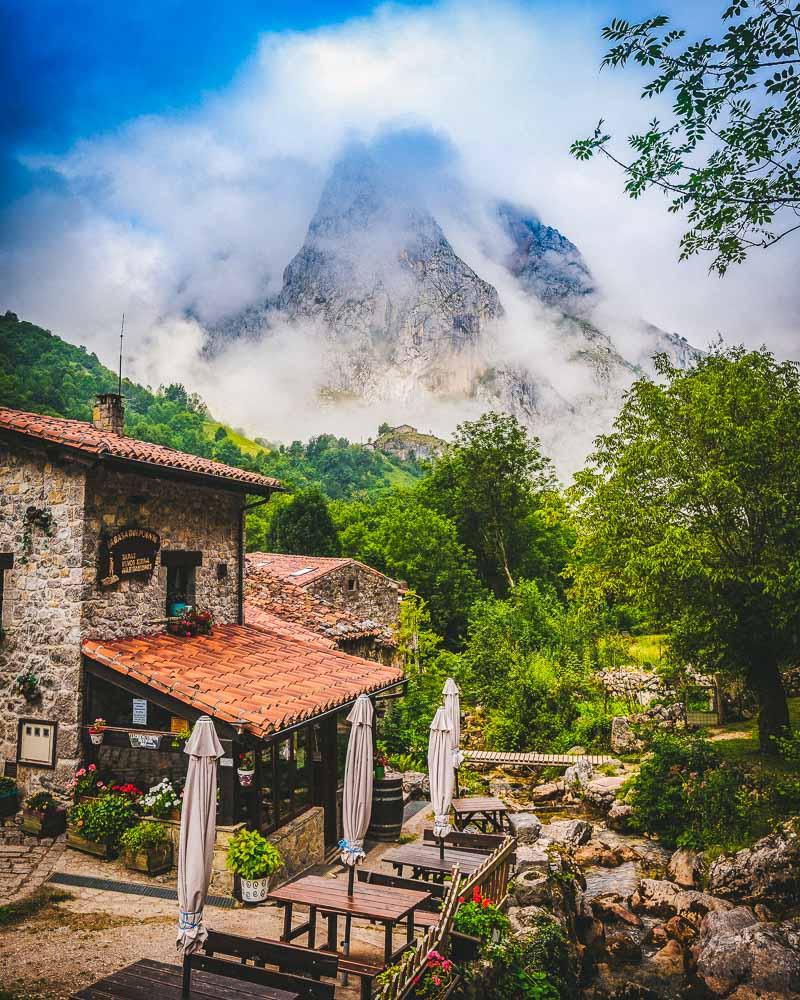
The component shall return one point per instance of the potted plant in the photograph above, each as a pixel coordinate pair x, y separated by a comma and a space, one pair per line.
9, 797
246, 768
476, 923
97, 731
86, 784
253, 861
436, 981
43, 816
95, 827
162, 801
190, 622
178, 741
147, 847
29, 685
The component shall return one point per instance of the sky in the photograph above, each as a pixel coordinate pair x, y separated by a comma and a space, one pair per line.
164, 159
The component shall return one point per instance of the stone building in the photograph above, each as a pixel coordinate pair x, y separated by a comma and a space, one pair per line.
104, 542
342, 583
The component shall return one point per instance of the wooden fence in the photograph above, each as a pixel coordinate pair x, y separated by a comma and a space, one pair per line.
493, 875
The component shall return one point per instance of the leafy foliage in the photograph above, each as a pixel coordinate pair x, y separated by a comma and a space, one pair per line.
144, 836
537, 967
691, 509
103, 820
251, 856
480, 917
729, 156
304, 526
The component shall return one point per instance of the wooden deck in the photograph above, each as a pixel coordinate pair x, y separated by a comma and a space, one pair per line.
533, 759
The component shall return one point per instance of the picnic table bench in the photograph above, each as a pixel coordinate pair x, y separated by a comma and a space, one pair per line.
148, 980
484, 811
329, 897
425, 860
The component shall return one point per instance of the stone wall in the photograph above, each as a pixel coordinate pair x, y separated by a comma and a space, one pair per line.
187, 517
144, 768
301, 841
374, 595
41, 605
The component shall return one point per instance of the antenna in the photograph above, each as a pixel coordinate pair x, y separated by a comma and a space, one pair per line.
121, 335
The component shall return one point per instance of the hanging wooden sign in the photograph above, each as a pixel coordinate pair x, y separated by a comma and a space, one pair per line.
127, 553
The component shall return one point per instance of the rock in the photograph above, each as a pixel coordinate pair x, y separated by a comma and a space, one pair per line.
681, 930
601, 792
596, 854
657, 935
547, 792
578, 774
573, 832
533, 857
767, 872
523, 918
660, 898
623, 738
610, 908
622, 948
530, 889
619, 816
735, 950
525, 826
416, 785
685, 867
669, 960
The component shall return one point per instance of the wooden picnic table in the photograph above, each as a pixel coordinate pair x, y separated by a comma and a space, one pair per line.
148, 980
329, 897
485, 811
426, 860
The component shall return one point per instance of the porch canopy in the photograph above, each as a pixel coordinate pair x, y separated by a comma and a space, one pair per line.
258, 684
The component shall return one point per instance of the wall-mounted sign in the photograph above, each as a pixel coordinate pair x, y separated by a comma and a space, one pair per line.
226, 762
140, 711
142, 741
178, 725
126, 553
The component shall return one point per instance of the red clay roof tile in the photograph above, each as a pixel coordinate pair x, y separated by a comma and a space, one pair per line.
87, 438
286, 680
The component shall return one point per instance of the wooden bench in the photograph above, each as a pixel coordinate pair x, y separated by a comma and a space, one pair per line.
483, 843
366, 973
427, 913
298, 969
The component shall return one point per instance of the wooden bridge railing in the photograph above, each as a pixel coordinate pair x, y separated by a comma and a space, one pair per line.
413, 961
493, 875
533, 758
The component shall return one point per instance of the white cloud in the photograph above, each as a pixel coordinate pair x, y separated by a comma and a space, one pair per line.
197, 214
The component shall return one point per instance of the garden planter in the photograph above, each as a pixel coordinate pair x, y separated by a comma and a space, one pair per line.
96, 738
150, 860
48, 823
99, 848
245, 777
9, 804
464, 947
251, 890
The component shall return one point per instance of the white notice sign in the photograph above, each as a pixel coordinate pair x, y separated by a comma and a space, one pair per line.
226, 762
140, 711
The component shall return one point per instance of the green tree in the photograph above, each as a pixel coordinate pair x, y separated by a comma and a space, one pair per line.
304, 526
729, 156
692, 507
494, 483
400, 536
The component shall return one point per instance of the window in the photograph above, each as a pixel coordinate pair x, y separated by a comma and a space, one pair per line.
181, 569
6, 562
352, 584
286, 778
36, 742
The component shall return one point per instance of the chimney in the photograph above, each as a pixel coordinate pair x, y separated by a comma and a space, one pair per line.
109, 413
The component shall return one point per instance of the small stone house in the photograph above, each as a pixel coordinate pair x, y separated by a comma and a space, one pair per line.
105, 540
345, 584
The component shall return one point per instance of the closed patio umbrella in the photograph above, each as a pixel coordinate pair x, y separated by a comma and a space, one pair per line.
441, 774
452, 705
198, 830
357, 798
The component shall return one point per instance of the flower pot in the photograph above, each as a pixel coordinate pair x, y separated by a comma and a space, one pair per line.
151, 860
96, 738
464, 947
245, 777
174, 815
251, 890
50, 823
9, 803
380, 773
99, 848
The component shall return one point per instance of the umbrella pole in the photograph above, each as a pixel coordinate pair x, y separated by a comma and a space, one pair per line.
350, 879
441, 848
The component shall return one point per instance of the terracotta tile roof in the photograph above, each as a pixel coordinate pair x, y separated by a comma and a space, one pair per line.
86, 438
277, 596
245, 674
255, 615
303, 570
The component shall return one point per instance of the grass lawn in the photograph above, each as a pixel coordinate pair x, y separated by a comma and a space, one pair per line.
245, 444
738, 741
647, 649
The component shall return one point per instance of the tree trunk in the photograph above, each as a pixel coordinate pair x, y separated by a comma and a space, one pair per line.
773, 715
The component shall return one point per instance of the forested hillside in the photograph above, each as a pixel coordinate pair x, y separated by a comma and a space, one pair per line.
41, 372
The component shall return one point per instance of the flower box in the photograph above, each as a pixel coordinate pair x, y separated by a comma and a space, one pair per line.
251, 890
44, 823
150, 860
9, 803
99, 848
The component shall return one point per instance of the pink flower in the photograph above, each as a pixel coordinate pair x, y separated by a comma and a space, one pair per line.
80, 774
93, 767
437, 980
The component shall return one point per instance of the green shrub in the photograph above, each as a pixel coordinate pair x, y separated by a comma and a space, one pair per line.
537, 967
480, 917
144, 836
103, 820
40, 802
8, 787
251, 856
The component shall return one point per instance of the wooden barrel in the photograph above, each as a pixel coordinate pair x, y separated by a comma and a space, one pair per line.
387, 809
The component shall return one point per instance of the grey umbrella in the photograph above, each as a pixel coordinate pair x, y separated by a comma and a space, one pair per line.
198, 830
441, 774
452, 705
